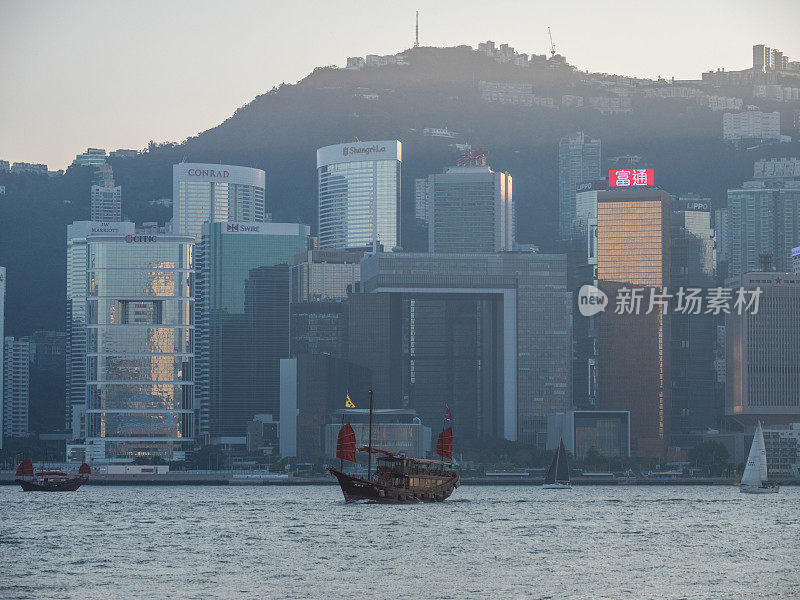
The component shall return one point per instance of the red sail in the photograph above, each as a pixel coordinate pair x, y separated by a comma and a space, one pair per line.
444, 445
346, 444
25, 468
85, 469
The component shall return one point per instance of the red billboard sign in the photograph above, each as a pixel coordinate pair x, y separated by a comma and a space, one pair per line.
631, 177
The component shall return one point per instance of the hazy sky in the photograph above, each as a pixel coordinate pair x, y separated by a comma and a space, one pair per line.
116, 74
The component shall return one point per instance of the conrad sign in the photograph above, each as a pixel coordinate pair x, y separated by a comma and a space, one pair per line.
208, 173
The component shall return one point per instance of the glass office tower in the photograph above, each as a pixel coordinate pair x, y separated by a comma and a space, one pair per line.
486, 334
471, 210
578, 161
215, 193
633, 251
76, 286
243, 313
139, 350
359, 195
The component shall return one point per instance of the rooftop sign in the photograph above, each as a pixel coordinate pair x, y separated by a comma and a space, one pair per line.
631, 177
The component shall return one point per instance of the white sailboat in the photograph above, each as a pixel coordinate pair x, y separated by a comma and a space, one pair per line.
754, 479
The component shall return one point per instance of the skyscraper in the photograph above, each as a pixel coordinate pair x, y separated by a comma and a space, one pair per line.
486, 334
578, 161
242, 305
633, 372
471, 210
696, 397
215, 193
76, 309
16, 387
140, 345
762, 221
359, 195
763, 351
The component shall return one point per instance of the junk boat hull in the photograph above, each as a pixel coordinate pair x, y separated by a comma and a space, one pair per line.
430, 489
67, 485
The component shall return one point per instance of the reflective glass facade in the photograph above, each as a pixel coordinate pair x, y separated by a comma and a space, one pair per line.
215, 193
243, 316
76, 286
471, 210
359, 194
633, 250
140, 345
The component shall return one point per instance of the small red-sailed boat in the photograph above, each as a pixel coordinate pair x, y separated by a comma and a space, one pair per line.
50, 481
397, 479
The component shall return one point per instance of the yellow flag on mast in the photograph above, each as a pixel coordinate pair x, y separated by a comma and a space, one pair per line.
349, 403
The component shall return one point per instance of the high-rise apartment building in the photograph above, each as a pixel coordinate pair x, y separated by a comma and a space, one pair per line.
216, 193
768, 59
485, 334
470, 210
578, 161
763, 222
16, 387
763, 351
92, 157
76, 308
359, 195
243, 297
751, 125
140, 345
106, 198
633, 251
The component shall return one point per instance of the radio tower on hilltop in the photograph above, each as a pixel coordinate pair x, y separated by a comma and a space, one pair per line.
416, 36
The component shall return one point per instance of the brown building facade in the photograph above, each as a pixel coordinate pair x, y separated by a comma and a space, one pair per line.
633, 364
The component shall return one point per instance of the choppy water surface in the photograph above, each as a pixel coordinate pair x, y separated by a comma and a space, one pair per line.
304, 542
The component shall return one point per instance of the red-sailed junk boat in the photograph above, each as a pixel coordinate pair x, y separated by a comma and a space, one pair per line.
398, 479
50, 481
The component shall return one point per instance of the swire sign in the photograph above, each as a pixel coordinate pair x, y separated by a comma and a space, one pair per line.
631, 177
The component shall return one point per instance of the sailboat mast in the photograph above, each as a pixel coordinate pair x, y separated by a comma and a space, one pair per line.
341, 460
369, 444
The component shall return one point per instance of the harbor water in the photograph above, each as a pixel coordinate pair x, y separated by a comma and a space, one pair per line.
485, 542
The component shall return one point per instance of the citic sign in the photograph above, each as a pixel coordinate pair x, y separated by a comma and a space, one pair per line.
207, 173
631, 177
131, 239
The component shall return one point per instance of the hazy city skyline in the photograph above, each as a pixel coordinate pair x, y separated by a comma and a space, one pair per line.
116, 75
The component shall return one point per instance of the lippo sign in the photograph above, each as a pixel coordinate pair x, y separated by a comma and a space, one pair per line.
631, 177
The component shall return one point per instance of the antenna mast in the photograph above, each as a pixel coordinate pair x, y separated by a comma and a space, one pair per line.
416, 36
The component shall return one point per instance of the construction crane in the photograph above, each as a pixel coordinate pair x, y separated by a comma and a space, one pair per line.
552, 45
416, 36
